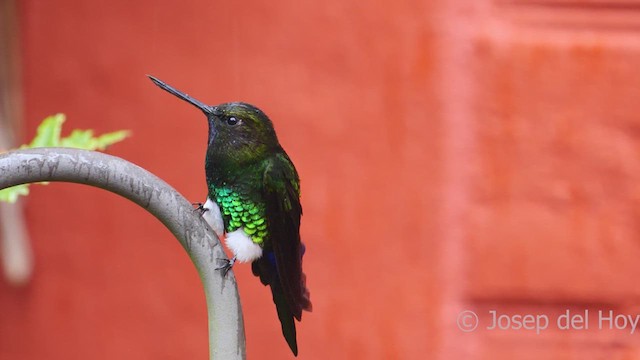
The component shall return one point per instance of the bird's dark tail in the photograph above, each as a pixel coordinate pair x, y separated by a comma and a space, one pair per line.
265, 269
286, 317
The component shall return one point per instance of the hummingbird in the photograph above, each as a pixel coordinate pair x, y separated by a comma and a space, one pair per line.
253, 201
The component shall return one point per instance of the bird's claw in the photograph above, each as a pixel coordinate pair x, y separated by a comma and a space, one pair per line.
199, 207
228, 264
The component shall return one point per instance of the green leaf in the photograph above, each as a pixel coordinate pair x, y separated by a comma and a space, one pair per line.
109, 139
83, 139
48, 133
11, 194
79, 139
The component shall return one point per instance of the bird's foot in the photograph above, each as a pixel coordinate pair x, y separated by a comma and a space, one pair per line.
228, 264
199, 207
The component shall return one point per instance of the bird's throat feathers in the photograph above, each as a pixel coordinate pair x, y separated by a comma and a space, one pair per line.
227, 164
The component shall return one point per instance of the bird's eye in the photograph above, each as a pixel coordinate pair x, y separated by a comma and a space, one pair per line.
232, 121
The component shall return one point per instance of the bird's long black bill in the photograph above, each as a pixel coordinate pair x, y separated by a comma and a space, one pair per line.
164, 86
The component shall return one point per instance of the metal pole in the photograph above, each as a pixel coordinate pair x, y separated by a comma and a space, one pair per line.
226, 327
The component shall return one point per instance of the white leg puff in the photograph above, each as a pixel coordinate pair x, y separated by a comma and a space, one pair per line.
213, 217
242, 247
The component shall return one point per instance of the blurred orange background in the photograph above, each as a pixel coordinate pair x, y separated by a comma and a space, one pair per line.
454, 155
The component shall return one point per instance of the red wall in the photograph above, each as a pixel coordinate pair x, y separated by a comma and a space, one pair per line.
454, 155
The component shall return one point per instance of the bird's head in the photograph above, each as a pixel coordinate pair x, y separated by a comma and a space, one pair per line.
238, 131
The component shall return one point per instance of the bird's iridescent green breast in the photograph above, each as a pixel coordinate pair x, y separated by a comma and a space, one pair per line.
240, 212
